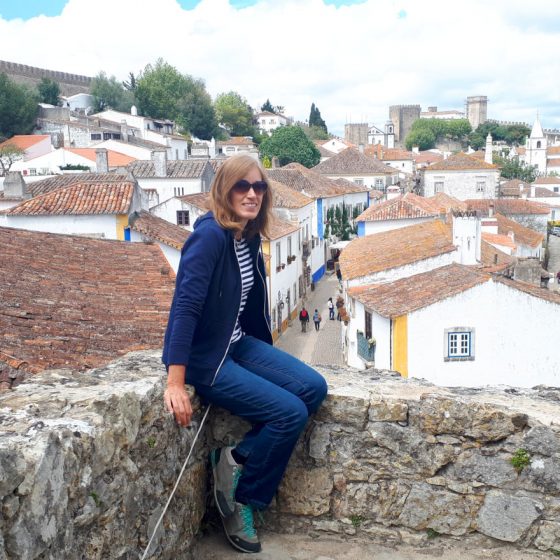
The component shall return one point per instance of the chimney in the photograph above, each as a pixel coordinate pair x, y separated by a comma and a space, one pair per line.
533, 190
275, 162
159, 157
415, 150
467, 236
124, 131
488, 151
14, 186
491, 210
102, 160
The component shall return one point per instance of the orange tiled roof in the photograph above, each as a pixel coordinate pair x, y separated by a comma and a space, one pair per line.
285, 197
66, 179
553, 150
237, 141
498, 239
352, 162
391, 249
183, 169
553, 162
200, 200
547, 180
406, 295
95, 300
427, 157
157, 229
522, 234
280, 228
398, 208
24, 141
507, 206
387, 154
493, 259
442, 201
461, 162
116, 159
79, 199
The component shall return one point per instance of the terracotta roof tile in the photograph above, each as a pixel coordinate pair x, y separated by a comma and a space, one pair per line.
415, 292
158, 229
391, 249
24, 141
461, 162
95, 300
285, 197
427, 157
441, 201
398, 208
79, 199
522, 234
184, 169
493, 259
200, 200
280, 228
352, 162
507, 206
499, 239
553, 150
387, 154
237, 141
116, 159
547, 180
67, 179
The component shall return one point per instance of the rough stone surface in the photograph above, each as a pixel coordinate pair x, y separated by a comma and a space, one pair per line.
507, 517
88, 460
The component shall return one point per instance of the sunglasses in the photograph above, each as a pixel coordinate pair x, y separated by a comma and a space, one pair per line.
243, 186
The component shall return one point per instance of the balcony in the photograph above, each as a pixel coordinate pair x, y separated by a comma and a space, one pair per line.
366, 351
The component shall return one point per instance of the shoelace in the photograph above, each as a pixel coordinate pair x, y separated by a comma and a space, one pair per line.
236, 477
246, 514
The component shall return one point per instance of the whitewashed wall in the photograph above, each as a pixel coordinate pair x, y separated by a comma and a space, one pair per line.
515, 339
99, 226
166, 188
461, 184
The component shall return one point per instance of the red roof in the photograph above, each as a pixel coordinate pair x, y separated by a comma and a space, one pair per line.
116, 159
24, 141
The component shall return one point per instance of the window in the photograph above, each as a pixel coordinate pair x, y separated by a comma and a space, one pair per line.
32, 171
299, 239
459, 344
480, 186
278, 254
359, 181
290, 246
183, 217
176, 153
367, 326
106, 136
379, 183
538, 144
95, 136
555, 189
438, 186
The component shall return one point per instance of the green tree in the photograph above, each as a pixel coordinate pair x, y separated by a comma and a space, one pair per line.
130, 84
512, 134
163, 92
234, 114
314, 132
424, 139
49, 91
18, 108
109, 93
267, 106
315, 118
9, 153
288, 144
515, 169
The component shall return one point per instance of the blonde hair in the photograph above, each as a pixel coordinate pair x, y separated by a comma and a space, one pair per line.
230, 172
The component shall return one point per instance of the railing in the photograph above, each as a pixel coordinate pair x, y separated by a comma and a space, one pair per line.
366, 351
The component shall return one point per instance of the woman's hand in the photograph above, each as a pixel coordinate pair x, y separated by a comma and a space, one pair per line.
177, 400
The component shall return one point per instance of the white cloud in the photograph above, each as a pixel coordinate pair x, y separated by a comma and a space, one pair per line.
353, 62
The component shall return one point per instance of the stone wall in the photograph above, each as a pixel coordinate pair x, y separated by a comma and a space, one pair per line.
87, 461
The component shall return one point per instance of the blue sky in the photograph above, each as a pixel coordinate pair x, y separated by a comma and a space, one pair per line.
353, 59
26, 9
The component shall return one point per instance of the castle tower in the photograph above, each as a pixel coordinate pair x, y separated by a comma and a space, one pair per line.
477, 110
389, 134
402, 117
356, 133
536, 148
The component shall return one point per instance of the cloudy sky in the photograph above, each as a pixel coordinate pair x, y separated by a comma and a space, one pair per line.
351, 58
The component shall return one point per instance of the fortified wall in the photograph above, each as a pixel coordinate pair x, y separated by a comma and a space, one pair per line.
88, 460
70, 84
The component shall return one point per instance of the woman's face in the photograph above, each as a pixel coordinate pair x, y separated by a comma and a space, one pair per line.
247, 205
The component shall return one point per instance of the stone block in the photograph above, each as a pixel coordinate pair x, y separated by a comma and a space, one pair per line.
491, 470
382, 410
347, 405
548, 537
305, 491
506, 517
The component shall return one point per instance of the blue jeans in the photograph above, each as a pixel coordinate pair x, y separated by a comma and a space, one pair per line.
276, 393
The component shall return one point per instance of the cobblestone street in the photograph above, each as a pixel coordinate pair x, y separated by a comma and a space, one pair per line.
323, 347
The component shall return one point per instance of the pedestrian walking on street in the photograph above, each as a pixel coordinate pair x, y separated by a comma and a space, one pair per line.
330, 305
339, 305
218, 340
317, 319
303, 319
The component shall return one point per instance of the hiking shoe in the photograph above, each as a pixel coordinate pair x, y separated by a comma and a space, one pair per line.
240, 529
226, 473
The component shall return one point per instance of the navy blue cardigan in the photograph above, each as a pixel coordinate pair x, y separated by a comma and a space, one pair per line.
206, 302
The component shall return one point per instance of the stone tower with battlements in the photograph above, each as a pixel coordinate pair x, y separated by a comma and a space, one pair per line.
402, 117
356, 133
476, 109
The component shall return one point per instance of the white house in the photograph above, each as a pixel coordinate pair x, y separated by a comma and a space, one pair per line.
183, 210
88, 208
172, 178
535, 149
401, 160
335, 145
170, 238
238, 145
79, 101
267, 121
461, 176
355, 166
385, 138
32, 145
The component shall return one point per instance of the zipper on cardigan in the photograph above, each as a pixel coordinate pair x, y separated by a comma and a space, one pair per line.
237, 315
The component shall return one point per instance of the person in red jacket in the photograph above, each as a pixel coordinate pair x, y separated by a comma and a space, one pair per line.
304, 319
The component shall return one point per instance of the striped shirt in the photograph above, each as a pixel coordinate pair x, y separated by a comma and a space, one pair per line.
247, 281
